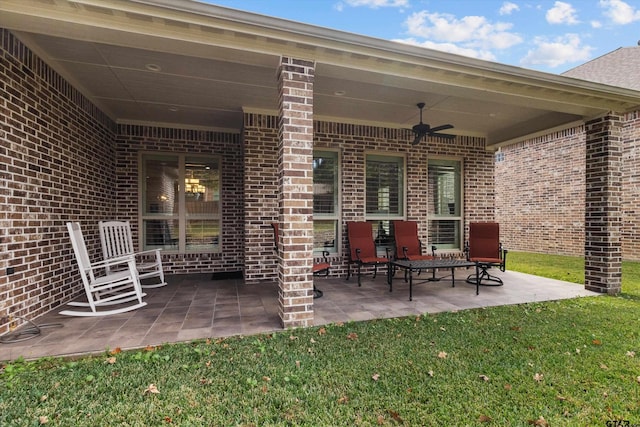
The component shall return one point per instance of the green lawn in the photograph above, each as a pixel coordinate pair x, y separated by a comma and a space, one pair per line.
572, 363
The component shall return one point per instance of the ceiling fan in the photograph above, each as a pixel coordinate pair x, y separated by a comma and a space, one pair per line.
422, 130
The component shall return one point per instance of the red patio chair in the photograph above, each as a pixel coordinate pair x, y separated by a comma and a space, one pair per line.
485, 249
362, 249
408, 245
319, 269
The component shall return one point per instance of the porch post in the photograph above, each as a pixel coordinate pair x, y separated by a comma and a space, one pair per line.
295, 196
603, 210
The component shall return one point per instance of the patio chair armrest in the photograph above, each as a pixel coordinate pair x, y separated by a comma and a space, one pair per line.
466, 250
358, 250
325, 255
503, 257
405, 249
433, 250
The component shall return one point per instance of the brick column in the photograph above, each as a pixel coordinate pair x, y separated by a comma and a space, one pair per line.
295, 196
603, 210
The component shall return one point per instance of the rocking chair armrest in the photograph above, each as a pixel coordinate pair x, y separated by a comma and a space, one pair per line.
148, 251
113, 261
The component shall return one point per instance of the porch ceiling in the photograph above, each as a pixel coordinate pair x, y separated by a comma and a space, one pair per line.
189, 64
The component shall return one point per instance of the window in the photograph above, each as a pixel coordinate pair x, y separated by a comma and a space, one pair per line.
385, 195
326, 196
181, 202
445, 203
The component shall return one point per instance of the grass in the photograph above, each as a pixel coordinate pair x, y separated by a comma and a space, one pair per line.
571, 362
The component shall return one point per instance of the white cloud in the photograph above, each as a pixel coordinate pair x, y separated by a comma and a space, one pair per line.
553, 53
562, 13
619, 11
469, 32
374, 4
596, 24
451, 48
508, 8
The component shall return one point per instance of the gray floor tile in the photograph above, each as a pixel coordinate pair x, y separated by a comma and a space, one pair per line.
195, 307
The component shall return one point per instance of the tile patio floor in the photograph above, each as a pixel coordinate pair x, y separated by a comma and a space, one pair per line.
196, 307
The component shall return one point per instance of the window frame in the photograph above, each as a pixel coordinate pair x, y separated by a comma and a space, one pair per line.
387, 218
337, 215
461, 212
181, 216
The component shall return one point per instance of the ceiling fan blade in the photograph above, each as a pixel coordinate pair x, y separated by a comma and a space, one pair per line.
418, 138
442, 127
442, 135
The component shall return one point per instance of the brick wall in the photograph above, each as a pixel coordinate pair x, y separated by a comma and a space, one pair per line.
540, 192
631, 186
131, 140
260, 142
57, 165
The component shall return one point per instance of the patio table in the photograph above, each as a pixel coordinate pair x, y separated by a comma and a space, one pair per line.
411, 266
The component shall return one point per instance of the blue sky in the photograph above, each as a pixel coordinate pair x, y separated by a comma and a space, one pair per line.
552, 36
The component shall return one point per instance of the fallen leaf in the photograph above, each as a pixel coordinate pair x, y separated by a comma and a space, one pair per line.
43, 398
596, 342
638, 379
116, 350
539, 422
343, 399
603, 366
313, 341
508, 387
265, 378
168, 420
561, 397
484, 377
111, 360
322, 331
380, 420
430, 373
152, 389
339, 323
442, 355
297, 363
578, 350
352, 336
484, 419
395, 416
375, 377
208, 363
442, 328
516, 328
207, 341
149, 348
43, 419
631, 353
538, 377
293, 337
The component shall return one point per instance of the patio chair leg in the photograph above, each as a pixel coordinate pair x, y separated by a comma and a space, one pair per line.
484, 278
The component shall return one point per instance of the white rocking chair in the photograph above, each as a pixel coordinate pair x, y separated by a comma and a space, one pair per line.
104, 289
117, 241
